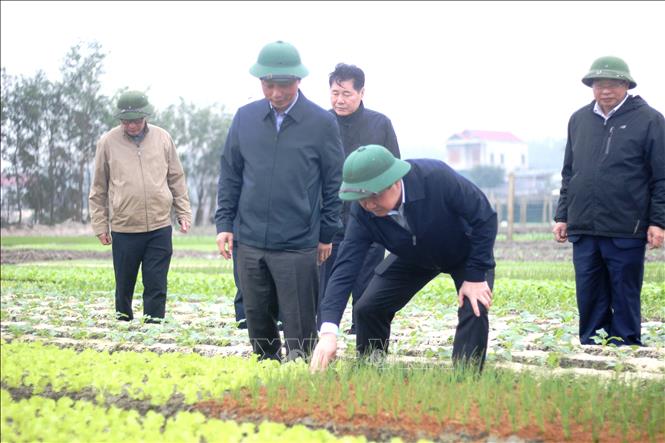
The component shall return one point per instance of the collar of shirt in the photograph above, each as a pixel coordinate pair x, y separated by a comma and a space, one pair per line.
279, 116
597, 110
398, 214
400, 210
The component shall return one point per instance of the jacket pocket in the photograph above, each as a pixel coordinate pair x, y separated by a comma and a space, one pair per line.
574, 238
628, 243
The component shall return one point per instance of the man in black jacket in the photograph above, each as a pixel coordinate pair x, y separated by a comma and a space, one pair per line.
277, 198
432, 220
612, 200
359, 126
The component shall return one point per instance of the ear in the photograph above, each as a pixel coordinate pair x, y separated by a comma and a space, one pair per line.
362, 93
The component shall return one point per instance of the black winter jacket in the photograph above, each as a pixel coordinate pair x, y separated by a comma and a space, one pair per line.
280, 188
613, 176
365, 127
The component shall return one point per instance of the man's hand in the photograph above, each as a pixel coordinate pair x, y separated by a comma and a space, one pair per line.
655, 237
184, 225
323, 252
225, 244
104, 238
475, 292
324, 353
560, 232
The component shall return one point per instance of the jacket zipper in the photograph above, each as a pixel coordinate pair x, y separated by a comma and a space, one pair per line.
609, 139
637, 225
145, 196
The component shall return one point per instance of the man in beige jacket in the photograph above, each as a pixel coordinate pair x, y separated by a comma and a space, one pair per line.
138, 177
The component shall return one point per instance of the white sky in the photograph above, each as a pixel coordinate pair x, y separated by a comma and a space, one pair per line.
435, 68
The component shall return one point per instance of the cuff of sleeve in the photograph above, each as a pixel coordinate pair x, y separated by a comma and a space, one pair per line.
327, 327
474, 275
224, 227
327, 234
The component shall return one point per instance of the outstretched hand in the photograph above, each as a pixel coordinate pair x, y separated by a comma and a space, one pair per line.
324, 353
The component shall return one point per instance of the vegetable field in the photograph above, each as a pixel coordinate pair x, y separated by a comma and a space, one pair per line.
70, 372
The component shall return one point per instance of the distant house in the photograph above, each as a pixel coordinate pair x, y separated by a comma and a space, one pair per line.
468, 149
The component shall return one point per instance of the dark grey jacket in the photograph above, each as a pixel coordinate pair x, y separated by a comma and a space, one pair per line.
365, 127
613, 176
281, 188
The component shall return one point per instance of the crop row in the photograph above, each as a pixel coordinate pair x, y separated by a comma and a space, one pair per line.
618, 407
510, 295
65, 420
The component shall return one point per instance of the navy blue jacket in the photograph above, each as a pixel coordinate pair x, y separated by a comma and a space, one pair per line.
280, 188
613, 176
453, 227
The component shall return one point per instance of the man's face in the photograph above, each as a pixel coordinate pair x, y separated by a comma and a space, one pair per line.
344, 99
280, 94
383, 202
609, 93
133, 127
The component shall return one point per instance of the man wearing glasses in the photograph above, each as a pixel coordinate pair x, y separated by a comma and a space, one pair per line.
433, 221
612, 201
137, 179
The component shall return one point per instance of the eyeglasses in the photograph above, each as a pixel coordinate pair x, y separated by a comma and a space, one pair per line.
136, 121
608, 84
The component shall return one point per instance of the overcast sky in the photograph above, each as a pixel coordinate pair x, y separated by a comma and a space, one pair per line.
434, 68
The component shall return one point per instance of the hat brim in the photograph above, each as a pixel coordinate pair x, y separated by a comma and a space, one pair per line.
349, 191
260, 71
133, 114
608, 74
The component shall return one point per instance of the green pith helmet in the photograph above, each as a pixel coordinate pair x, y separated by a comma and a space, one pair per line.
369, 170
611, 68
132, 105
280, 62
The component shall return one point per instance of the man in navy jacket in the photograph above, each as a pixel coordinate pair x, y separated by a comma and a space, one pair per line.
277, 200
612, 201
432, 220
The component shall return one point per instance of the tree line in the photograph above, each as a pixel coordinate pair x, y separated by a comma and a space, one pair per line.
49, 132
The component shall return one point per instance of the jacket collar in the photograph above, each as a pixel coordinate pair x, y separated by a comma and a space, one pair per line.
416, 190
351, 118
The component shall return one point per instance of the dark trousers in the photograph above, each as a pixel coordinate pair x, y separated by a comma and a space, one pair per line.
608, 282
237, 301
152, 252
284, 282
375, 255
393, 286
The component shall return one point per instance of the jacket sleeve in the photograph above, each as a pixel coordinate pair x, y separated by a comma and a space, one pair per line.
332, 160
561, 214
98, 199
230, 180
390, 141
656, 160
469, 202
350, 257
177, 183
